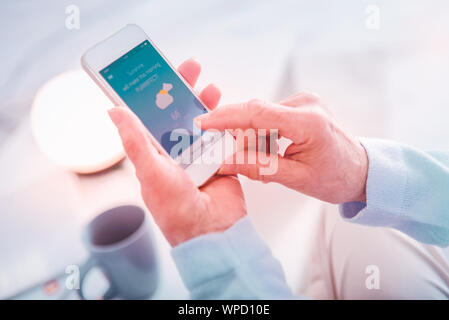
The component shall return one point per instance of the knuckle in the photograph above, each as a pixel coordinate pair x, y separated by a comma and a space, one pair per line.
312, 97
255, 106
254, 103
318, 118
299, 94
256, 109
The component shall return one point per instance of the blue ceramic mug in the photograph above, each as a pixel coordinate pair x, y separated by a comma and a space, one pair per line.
121, 244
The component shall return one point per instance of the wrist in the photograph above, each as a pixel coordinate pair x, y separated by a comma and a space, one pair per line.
361, 173
181, 233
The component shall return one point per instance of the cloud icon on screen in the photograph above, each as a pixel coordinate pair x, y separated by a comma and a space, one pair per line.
163, 98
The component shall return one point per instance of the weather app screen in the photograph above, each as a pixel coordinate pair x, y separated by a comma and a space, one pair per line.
155, 93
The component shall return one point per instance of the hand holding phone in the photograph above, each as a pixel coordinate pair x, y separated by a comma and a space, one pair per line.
132, 72
181, 209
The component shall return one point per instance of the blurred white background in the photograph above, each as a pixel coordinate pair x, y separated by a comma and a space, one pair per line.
385, 77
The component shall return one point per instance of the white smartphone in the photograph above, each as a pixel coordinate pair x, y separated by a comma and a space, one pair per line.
133, 72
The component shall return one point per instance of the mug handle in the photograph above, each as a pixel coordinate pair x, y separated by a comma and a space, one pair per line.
84, 270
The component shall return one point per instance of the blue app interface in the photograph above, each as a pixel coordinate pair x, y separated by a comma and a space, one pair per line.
155, 93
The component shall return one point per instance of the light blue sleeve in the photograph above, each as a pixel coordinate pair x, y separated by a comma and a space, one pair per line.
235, 264
407, 189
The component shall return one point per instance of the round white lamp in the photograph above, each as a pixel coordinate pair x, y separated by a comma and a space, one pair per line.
70, 123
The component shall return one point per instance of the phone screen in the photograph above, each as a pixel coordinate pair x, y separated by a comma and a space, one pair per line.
155, 93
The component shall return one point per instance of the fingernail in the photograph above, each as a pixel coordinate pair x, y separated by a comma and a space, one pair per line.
200, 119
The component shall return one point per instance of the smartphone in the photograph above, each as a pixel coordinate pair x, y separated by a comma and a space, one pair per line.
133, 72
